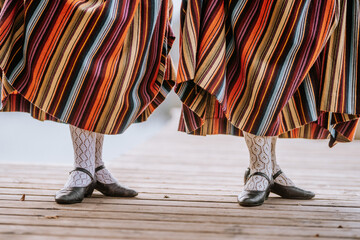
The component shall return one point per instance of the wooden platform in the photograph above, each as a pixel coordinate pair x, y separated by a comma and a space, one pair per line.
188, 187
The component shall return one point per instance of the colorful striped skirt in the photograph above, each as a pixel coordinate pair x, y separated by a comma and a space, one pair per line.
99, 65
270, 67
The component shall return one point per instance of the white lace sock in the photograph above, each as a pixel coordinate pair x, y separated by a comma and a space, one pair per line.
103, 175
260, 161
282, 178
84, 156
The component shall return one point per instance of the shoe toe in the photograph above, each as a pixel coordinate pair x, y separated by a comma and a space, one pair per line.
132, 193
251, 198
115, 190
122, 191
308, 194
69, 196
298, 193
292, 192
125, 192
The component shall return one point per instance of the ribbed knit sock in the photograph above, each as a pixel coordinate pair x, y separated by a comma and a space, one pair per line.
260, 161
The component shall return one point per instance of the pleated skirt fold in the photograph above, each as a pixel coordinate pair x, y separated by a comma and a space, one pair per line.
98, 65
270, 68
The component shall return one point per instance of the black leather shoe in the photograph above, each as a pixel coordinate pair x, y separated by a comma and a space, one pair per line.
289, 192
113, 189
254, 198
72, 195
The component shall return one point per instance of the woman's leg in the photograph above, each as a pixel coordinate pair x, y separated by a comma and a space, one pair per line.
84, 157
281, 178
81, 182
105, 182
283, 186
258, 183
102, 175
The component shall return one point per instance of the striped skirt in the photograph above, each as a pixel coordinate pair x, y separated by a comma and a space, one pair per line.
99, 65
270, 67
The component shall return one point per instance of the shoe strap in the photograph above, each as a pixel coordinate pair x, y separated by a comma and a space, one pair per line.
246, 175
99, 168
260, 174
277, 174
84, 171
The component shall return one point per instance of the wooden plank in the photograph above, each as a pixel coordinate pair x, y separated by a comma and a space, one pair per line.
113, 225
106, 228
12, 236
99, 234
180, 200
205, 181
149, 235
269, 211
189, 204
98, 215
130, 234
323, 194
48, 196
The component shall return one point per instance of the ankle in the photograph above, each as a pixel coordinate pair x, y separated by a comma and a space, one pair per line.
104, 176
257, 183
78, 179
282, 179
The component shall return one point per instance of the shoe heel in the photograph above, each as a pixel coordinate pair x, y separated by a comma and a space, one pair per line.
89, 190
267, 195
